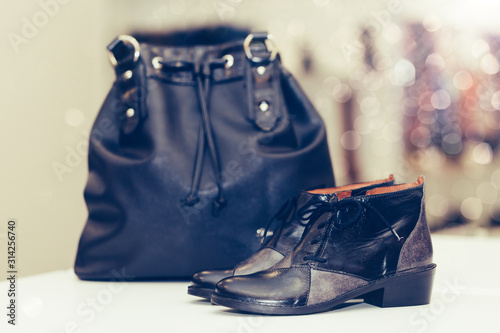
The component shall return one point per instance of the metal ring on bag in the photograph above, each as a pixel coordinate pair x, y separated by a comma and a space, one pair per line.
132, 41
268, 42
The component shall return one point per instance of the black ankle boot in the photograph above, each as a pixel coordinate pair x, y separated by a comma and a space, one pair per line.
294, 215
375, 246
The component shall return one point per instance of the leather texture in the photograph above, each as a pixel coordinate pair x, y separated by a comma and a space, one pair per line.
183, 181
288, 233
284, 286
261, 260
207, 279
417, 249
351, 248
327, 285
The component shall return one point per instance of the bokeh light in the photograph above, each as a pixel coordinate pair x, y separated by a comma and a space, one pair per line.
350, 140
482, 153
463, 80
404, 72
471, 208
432, 22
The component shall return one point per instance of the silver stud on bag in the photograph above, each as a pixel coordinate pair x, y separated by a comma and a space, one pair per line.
229, 61
261, 70
130, 113
263, 106
128, 75
157, 62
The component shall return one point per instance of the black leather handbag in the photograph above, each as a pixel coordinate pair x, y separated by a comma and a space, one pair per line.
202, 137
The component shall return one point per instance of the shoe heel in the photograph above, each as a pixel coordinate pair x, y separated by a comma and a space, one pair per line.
414, 289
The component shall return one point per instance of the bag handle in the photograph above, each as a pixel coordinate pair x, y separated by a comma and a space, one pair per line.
262, 80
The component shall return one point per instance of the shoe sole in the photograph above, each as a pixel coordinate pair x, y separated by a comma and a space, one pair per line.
200, 292
400, 289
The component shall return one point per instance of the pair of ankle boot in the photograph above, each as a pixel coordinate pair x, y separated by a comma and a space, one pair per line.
366, 241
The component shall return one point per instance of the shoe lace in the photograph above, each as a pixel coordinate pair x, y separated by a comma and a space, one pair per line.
288, 212
284, 214
309, 215
342, 223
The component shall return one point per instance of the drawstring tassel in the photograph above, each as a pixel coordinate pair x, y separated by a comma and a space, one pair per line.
190, 200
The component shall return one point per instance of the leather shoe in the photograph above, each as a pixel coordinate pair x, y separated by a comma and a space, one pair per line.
374, 246
294, 216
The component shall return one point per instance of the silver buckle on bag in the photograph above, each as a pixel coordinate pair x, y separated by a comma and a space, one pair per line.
130, 40
268, 42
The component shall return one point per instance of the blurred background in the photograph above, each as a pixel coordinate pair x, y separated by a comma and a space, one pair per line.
404, 87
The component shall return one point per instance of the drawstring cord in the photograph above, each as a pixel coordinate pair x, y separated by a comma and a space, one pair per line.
219, 202
203, 76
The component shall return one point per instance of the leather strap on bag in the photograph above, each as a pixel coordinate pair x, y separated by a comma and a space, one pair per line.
124, 54
262, 81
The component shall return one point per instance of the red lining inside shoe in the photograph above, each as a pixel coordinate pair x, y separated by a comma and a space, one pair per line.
394, 188
350, 187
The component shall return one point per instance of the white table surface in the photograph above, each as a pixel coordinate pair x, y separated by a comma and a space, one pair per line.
466, 298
